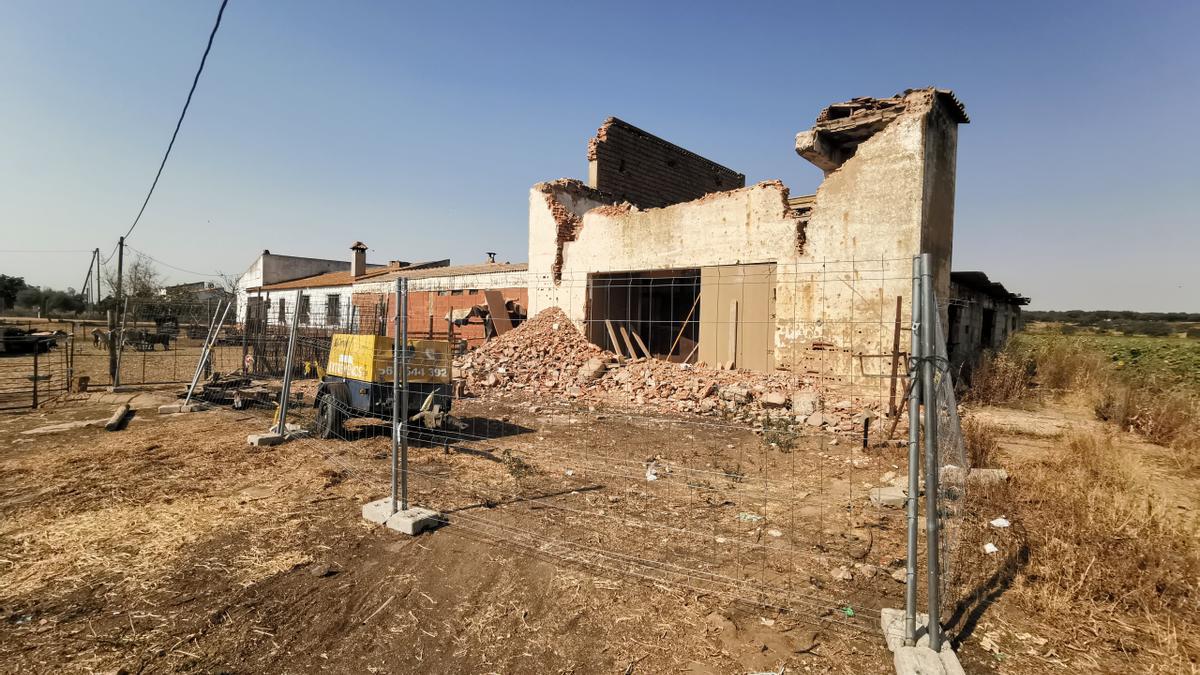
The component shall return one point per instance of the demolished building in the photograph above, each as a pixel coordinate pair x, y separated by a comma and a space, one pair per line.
674, 247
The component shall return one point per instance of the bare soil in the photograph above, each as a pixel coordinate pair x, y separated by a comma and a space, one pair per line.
173, 546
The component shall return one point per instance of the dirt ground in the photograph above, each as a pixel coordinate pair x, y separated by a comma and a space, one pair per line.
171, 545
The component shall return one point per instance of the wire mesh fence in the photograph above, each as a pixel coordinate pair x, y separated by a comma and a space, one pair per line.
35, 367
736, 433
953, 472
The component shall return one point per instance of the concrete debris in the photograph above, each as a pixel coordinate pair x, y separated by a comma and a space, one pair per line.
548, 356
805, 403
891, 496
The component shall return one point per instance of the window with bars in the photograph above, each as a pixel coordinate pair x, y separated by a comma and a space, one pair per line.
303, 310
333, 309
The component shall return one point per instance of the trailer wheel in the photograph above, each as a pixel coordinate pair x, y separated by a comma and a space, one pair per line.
328, 423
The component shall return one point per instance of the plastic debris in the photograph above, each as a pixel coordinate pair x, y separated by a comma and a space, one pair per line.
848, 611
652, 471
749, 517
1000, 522
990, 548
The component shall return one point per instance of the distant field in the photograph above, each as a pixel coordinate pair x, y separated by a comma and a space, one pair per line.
1169, 360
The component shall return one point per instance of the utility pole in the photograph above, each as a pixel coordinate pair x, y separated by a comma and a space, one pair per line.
96, 254
120, 268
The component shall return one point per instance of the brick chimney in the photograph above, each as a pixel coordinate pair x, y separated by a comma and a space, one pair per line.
358, 260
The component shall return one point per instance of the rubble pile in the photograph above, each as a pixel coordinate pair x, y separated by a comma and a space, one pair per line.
547, 355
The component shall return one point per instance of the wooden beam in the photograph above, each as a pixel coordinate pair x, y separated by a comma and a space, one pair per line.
637, 338
612, 335
628, 342
684, 326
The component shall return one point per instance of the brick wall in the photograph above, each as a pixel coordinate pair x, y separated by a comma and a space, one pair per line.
423, 304
631, 164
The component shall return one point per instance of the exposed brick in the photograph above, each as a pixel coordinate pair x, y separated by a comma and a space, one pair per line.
643, 169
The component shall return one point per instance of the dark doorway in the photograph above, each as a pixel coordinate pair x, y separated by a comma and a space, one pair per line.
655, 309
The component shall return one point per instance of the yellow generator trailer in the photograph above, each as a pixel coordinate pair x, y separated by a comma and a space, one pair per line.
359, 382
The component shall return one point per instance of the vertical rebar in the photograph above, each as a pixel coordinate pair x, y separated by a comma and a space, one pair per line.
403, 310
932, 479
914, 458
286, 391
396, 401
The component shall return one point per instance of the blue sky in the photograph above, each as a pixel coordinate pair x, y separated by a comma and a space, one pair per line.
419, 128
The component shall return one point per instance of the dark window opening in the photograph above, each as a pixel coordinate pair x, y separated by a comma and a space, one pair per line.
987, 333
303, 310
333, 310
657, 310
282, 318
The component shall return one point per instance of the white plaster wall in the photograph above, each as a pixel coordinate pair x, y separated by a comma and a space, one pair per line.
870, 217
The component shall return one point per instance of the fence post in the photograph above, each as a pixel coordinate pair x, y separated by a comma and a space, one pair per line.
396, 401
112, 346
932, 477
914, 456
286, 391
36, 349
71, 356
245, 334
400, 397
120, 343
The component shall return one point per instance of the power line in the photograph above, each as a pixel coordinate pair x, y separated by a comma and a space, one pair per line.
177, 269
110, 254
182, 114
44, 250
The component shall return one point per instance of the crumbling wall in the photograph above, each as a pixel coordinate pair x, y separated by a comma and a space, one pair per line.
841, 261
643, 169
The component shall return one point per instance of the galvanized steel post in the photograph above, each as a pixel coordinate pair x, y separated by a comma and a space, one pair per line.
404, 393
396, 398
914, 457
286, 392
932, 477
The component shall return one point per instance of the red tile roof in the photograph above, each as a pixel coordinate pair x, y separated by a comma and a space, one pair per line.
383, 274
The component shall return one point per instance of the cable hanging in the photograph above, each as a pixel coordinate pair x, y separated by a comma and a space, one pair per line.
182, 114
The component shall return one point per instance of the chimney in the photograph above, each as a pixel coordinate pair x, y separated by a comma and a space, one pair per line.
358, 261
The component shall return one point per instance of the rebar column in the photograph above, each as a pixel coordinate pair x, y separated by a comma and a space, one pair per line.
932, 477
914, 458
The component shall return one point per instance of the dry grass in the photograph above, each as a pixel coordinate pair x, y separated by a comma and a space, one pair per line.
1001, 378
1167, 413
1103, 549
981, 442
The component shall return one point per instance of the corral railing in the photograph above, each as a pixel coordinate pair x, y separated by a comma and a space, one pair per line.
34, 368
